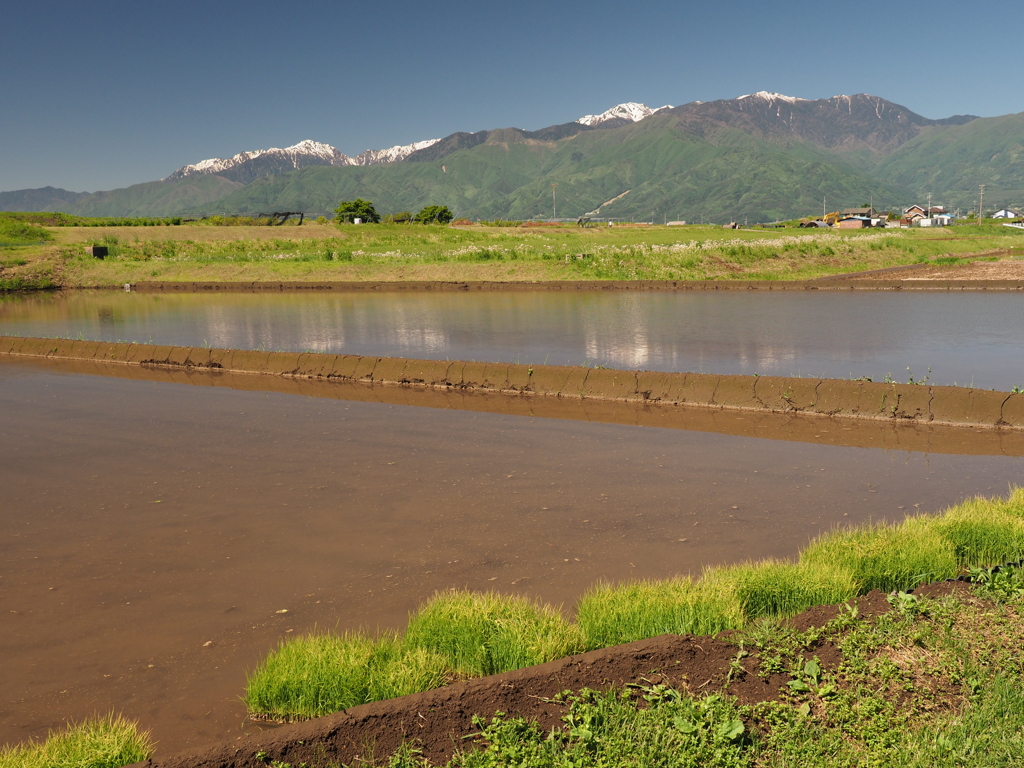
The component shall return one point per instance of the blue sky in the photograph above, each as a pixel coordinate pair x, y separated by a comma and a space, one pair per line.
106, 94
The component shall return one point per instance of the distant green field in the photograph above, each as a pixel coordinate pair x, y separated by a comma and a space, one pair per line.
49, 219
417, 252
49, 250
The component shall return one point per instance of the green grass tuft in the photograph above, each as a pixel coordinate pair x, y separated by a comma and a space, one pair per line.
320, 673
612, 614
485, 633
104, 742
985, 532
779, 588
887, 557
408, 670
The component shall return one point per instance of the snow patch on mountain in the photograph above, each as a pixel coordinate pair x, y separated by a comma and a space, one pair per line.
770, 96
631, 111
391, 154
305, 153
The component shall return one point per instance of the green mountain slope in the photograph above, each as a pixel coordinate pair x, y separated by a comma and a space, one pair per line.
653, 168
758, 157
155, 198
950, 162
42, 199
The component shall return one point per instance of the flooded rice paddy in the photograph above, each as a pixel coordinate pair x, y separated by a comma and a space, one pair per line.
964, 338
157, 538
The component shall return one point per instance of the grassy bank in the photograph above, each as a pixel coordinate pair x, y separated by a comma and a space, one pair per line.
460, 634
106, 742
930, 683
317, 251
25, 261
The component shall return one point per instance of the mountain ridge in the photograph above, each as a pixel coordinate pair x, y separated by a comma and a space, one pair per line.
763, 155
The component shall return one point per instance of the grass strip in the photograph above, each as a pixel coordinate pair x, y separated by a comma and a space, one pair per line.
104, 742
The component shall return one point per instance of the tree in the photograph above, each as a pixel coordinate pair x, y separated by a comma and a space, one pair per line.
349, 210
435, 214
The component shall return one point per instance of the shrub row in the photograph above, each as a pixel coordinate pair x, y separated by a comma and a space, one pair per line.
460, 634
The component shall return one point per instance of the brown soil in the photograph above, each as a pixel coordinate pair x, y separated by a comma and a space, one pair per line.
975, 270
439, 720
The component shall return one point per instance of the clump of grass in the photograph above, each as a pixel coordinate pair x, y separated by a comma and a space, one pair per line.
612, 614
780, 588
985, 532
104, 742
408, 670
316, 674
887, 557
485, 633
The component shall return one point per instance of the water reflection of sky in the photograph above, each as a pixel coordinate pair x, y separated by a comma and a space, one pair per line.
964, 338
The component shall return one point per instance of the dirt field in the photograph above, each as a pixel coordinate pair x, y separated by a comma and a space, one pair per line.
976, 270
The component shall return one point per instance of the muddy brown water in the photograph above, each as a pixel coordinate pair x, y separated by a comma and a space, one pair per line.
970, 339
152, 533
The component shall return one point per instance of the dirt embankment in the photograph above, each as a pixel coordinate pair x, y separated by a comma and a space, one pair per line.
439, 720
910, 403
789, 426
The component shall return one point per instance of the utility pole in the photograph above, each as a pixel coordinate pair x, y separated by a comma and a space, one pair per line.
823, 208
981, 203
929, 211
554, 213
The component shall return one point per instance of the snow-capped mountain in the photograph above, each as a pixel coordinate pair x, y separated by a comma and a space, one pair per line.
246, 166
299, 155
392, 154
631, 111
770, 96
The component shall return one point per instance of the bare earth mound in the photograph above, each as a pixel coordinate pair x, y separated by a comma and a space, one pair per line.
438, 720
976, 270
